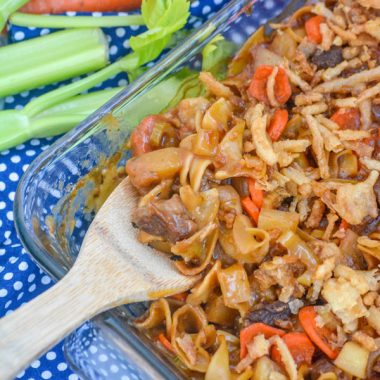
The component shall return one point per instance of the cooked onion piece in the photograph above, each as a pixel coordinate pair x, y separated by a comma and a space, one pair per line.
252, 243
188, 323
158, 313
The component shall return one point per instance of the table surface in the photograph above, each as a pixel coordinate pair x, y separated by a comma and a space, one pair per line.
20, 278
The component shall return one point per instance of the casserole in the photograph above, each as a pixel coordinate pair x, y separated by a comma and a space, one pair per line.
59, 194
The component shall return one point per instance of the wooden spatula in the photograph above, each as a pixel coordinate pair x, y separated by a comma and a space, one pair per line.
113, 268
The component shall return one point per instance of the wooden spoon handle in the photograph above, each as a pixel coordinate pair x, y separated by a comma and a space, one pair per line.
35, 327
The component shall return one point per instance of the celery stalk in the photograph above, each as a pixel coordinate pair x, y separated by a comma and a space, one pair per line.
60, 95
16, 127
7, 7
48, 21
51, 58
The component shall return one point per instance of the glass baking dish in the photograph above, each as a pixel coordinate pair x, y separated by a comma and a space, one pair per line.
59, 194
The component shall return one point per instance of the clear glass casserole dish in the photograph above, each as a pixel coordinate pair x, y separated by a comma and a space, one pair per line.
59, 194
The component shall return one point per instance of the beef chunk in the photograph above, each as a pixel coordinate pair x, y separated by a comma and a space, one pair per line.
322, 366
166, 218
330, 58
268, 313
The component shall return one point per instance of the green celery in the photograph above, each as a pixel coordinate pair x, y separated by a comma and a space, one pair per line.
51, 58
7, 7
16, 127
38, 119
48, 21
147, 46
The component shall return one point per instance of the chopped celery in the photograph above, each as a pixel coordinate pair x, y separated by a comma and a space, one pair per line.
51, 58
7, 7
49, 21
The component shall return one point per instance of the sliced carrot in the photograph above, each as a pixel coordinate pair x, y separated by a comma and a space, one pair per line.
313, 29
343, 225
248, 333
258, 86
347, 118
60, 6
252, 210
257, 195
165, 342
180, 296
140, 137
299, 345
318, 335
278, 124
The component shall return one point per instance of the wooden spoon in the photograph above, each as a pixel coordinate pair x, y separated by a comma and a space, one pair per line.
112, 269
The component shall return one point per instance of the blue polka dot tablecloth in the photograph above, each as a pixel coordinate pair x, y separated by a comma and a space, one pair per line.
20, 278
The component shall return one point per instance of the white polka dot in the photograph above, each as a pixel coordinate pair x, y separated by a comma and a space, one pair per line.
24, 167
32, 288
23, 266
62, 366
120, 32
206, 10
21, 375
19, 36
3, 292
44, 31
30, 152
31, 277
2, 186
217, 2
268, 4
93, 349
15, 159
8, 276
13, 177
45, 280
135, 27
11, 196
46, 375
20, 296
17, 285
35, 364
113, 50
73, 377
97, 14
3, 167
25, 94
2, 205
122, 82
126, 44
51, 355
114, 368
8, 303
70, 13
103, 357
10, 215
34, 142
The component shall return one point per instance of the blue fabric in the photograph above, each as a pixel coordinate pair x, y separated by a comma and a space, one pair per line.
20, 278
